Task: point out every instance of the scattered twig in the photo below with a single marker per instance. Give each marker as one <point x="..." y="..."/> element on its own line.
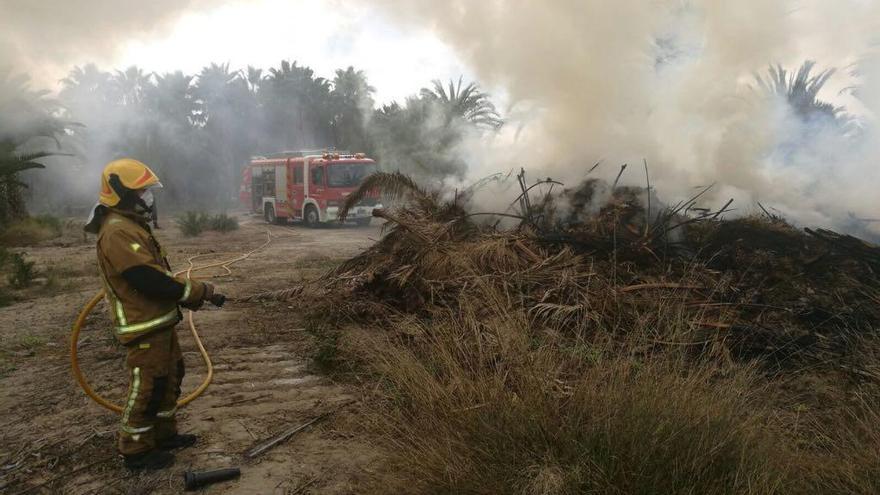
<point x="548" y="180"/>
<point x="282" y="437"/>
<point x="64" y="475"/>
<point x="723" y="209"/>
<point x="301" y="488"/>
<point x="712" y="324"/>
<point x="496" y="214"/>
<point x="253" y="437"/>
<point x="288" y="433"/>
<point x="242" y="401"/>
<point x="636" y="287"/>
<point x="622" y="168"/>
<point x="665" y="342"/>
<point x="471" y="408"/>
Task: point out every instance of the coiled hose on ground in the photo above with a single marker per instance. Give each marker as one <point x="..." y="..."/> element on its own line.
<point x="90" y="306"/>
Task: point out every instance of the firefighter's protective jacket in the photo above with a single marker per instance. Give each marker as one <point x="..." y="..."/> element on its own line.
<point x="125" y="243"/>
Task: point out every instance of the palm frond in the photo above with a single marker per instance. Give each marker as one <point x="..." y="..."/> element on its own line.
<point x="27" y="157"/>
<point x="9" y="168"/>
<point x="393" y="185"/>
<point x="800" y="89"/>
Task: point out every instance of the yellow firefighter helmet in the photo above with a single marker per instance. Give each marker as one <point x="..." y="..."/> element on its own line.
<point x="130" y="175"/>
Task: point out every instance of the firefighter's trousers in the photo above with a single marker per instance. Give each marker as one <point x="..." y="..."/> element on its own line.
<point x="155" y="366"/>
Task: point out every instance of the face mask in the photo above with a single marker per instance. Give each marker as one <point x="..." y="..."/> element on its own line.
<point x="147" y="197"/>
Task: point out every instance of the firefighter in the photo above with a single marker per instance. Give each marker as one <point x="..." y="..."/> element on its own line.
<point x="144" y="298"/>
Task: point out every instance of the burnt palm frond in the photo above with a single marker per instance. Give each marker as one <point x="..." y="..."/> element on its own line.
<point x="393" y="185"/>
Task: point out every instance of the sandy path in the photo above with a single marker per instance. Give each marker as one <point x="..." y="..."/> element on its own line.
<point x="263" y="381"/>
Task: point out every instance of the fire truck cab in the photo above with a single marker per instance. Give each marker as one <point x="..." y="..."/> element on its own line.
<point x="306" y="185"/>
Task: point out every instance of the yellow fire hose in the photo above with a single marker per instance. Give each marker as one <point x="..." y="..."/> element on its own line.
<point x="87" y="309"/>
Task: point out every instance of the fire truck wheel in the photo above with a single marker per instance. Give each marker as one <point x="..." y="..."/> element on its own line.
<point x="311" y="216"/>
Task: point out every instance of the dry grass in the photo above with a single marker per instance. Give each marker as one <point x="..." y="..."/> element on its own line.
<point x="483" y="405"/>
<point x="31" y="231"/>
<point x="485" y="400"/>
<point x="737" y="358"/>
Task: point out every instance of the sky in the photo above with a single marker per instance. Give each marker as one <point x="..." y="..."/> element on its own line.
<point x="187" y="35"/>
<point x="323" y="35"/>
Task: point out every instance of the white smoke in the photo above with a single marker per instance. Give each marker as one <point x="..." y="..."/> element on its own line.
<point x="673" y="81"/>
<point x="45" y="38"/>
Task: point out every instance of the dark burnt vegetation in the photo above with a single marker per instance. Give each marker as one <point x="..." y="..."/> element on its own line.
<point x="590" y="339"/>
<point x="595" y="258"/>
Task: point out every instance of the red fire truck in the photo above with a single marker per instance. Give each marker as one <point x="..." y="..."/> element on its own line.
<point x="306" y="185"/>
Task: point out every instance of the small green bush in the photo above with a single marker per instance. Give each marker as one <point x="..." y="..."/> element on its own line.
<point x="5" y="297"/>
<point x="5" y="255"/>
<point x="31" y="342"/>
<point x="55" y="224"/>
<point x="22" y="271"/>
<point x="326" y="356"/>
<point x="193" y="223"/>
<point x="223" y="223"/>
<point x="31" y="231"/>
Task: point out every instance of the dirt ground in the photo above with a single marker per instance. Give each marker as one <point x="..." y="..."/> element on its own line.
<point x="53" y="439"/>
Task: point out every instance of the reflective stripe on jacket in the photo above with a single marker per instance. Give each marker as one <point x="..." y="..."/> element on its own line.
<point x="125" y="241"/>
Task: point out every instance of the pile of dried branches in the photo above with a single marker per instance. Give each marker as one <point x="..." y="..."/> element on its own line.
<point x="597" y="260"/>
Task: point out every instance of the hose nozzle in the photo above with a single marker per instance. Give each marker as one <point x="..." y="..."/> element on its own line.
<point x="193" y="480"/>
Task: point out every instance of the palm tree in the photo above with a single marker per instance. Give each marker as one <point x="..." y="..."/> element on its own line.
<point x="351" y="87"/>
<point x="800" y="90"/>
<point x="468" y="103"/>
<point x="254" y="78"/>
<point x="28" y="123"/>
<point x="297" y="107"/>
<point x="812" y="121"/>
<point x="227" y="115"/>
<point x="351" y="98"/>
<point x="172" y="99"/>
<point x="84" y="81"/>
<point x="131" y="85"/>
<point x="214" y="86"/>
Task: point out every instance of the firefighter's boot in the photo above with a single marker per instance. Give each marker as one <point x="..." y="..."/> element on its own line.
<point x="178" y="441"/>
<point x="148" y="461"/>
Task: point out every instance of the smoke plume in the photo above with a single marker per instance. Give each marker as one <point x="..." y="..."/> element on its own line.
<point x="675" y="82"/>
<point x="45" y="38"/>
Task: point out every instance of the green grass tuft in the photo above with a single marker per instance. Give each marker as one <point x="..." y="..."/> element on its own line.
<point x="22" y="272"/>
<point x="31" y="231"/>
<point x="223" y="223"/>
<point x="193" y="223"/>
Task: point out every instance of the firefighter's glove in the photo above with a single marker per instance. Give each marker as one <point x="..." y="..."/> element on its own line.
<point x="206" y="296"/>
<point x="214" y="298"/>
<point x="218" y="300"/>
<point x="209" y="292"/>
<point x="195" y="306"/>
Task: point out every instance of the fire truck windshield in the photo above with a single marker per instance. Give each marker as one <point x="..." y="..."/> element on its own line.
<point x="348" y="174"/>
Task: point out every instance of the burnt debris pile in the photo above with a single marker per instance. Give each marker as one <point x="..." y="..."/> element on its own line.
<point x="596" y="261"/>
